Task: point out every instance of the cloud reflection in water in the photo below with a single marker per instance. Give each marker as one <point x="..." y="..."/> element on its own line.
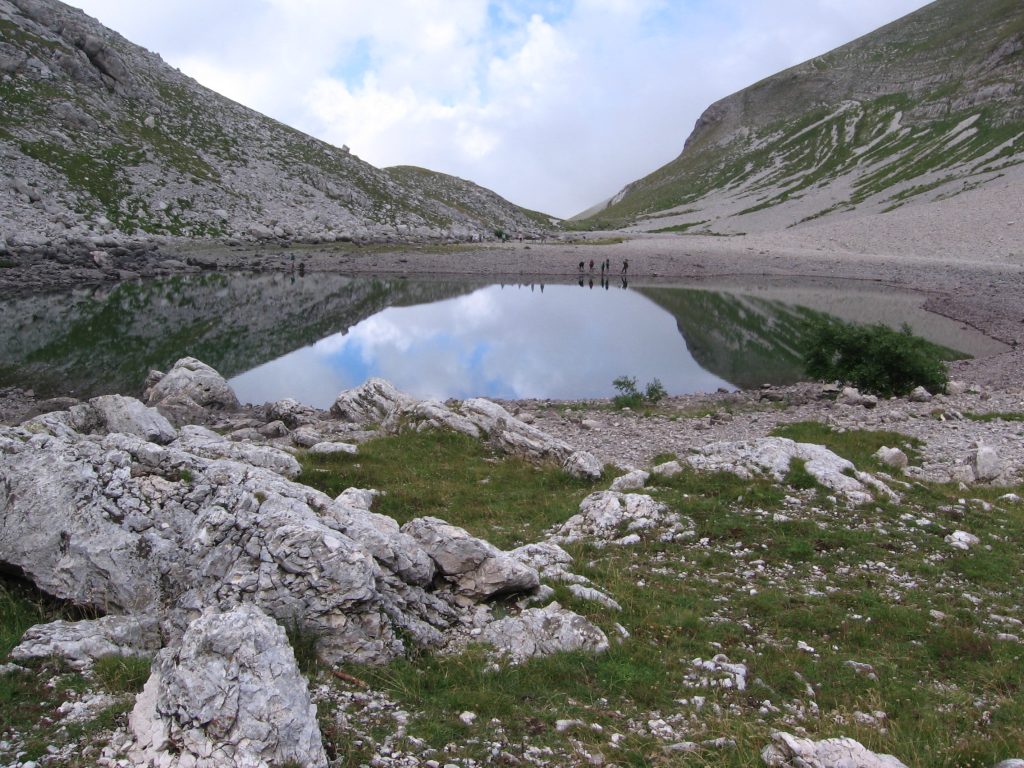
<point x="561" y="342"/>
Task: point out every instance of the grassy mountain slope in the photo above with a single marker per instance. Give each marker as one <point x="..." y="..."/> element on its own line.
<point x="99" y="135"/>
<point x="924" y="108"/>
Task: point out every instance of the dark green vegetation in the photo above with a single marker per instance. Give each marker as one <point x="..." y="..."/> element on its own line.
<point x="931" y="101"/>
<point x="853" y="584"/>
<point x="631" y="397"/>
<point x="874" y="358"/>
<point x="744" y="339"/>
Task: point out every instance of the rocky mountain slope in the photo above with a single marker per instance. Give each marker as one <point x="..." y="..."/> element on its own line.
<point x="923" y="109"/>
<point x="99" y="136"/>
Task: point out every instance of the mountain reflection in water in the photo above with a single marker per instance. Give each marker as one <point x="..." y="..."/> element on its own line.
<point x="500" y="341"/>
<point x="276" y="336"/>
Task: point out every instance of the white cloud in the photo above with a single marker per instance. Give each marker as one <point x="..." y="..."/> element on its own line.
<point x="553" y="103"/>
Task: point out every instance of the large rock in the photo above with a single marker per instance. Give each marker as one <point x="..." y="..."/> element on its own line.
<point x="773" y="456"/>
<point x="369" y="404"/>
<point x="544" y="631"/>
<point x="131" y="417"/>
<point x="229" y="695"/>
<point x="476" y="568"/>
<point x="583" y="465"/>
<point x="81" y="643"/>
<point x="204" y="442"/>
<point x="986" y="463"/>
<point x="608" y="516"/>
<point x="192" y="383"/>
<point x="788" y="751"/>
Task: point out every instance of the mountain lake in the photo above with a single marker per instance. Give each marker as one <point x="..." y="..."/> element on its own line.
<point x="276" y="336"/>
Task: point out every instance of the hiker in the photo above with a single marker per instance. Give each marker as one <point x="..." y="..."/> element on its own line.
<point x="581" y="267"/>
<point x="625" y="266"/>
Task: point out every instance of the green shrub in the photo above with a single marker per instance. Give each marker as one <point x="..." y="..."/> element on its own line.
<point x="631" y="397"/>
<point x="873" y="358"/>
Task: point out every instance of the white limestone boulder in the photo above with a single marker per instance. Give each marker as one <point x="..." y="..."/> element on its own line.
<point x="228" y="696"/>
<point x="788" y="751"/>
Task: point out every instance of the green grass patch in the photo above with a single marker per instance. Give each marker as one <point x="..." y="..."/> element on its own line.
<point x="998" y="416"/>
<point x="856" y="445"/>
<point x="447" y="475"/>
<point x="122" y="674"/>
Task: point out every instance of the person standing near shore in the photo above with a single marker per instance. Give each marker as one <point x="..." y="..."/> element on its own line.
<point x="625" y="266"/>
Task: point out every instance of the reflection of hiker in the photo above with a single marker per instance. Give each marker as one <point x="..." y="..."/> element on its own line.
<point x="625" y="266"/>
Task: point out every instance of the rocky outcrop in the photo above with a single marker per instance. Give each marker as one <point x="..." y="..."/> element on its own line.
<point x="544" y="631"/>
<point x="788" y="751"/>
<point x="378" y="402"/>
<point x="81" y="643"/>
<point x="230" y="694"/>
<point x="476" y="569"/>
<point x="773" y="456"/>
<point x="619" y="518"/>
<point x="116" y="523"/>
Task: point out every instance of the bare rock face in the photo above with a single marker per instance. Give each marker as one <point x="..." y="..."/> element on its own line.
<point x="206" y="443"/>
<point x="476" y="568"/>
<point x="544" y="631"/>
<point x="192" y="384"/>
<point x="229" y="695"/>
<point x="787" y="751"/>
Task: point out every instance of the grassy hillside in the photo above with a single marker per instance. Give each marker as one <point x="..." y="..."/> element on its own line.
<point x="928" y="106"/>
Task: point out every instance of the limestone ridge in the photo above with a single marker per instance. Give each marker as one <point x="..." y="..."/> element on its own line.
<point x="924" y="108"/>
<point x="101" y="137"/>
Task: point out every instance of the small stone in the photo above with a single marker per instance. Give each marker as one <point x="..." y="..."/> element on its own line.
<point x="892" y="457"/>
<point x="468" y="718"/>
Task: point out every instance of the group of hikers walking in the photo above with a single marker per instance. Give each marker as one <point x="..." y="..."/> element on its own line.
<point x="606" y="267"/>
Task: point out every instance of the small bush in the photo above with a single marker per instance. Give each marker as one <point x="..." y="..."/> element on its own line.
<point x="655" y="391"/>
<point x="873" y="358"/>
<point x="630" y="396"/>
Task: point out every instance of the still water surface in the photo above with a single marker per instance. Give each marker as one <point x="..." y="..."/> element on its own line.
<point x="276" y="336"/>
<point x="498" y="341"/>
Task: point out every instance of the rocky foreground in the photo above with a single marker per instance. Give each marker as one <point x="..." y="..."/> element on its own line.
<point x="194" y="546"/>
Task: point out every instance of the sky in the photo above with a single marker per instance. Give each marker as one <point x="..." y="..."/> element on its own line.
<point x="494" y="342"/>
<point x="554" y="104"/>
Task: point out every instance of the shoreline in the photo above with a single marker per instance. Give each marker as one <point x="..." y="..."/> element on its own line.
<point x="984" y="294"/>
